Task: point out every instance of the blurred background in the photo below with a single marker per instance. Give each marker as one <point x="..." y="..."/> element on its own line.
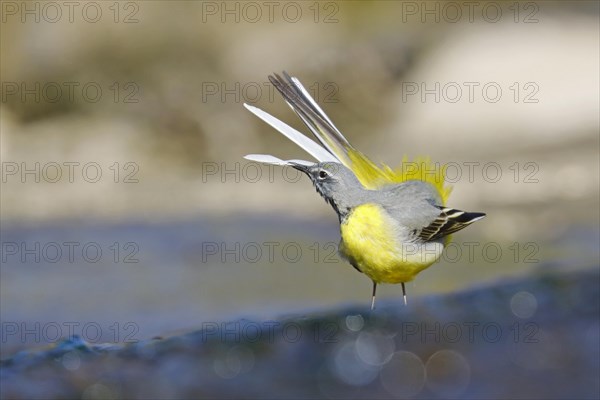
<point x="126" y="199"/>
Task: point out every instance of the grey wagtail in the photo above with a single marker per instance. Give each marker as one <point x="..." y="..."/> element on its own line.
<point x="393" y="222"/>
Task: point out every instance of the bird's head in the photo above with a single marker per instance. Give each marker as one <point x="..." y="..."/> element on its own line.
<point x="335" y="183"/>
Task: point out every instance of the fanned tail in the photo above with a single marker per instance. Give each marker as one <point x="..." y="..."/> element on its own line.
<point x="335" y="147"/>
<point x="299" y="100"/>
<point x="313" y="116"/>
<point x="309" y="145"/>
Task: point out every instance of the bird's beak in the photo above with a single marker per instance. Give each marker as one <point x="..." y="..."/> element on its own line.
<point x="300" y="167"/>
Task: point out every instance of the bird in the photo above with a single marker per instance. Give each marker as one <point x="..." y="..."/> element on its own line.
<point x="394" y="223"/>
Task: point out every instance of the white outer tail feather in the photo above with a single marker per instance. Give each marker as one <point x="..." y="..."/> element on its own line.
<point x="309" y="145"/>
<point x="315" y="105"/>
<point x="268" y="159"/>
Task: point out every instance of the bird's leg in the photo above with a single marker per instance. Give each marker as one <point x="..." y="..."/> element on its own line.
<point x="404" y="292"/>
<point x="373" y="300"/>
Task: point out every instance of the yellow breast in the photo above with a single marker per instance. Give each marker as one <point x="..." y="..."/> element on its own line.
<point x="371" y="242"/>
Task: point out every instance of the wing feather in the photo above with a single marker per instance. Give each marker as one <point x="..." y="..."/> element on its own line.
<point x="449" y="221"/>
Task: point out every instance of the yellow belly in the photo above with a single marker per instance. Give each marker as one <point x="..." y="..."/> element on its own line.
<point x="370" y="242"/>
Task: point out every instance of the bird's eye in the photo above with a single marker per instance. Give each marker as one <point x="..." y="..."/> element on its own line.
<point x="323" y="174"/>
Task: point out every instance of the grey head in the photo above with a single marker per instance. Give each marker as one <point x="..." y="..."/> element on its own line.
<point x="337" y="185"/>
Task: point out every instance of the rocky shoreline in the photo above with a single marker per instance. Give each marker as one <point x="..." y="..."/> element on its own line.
<point x="531" y="337"/>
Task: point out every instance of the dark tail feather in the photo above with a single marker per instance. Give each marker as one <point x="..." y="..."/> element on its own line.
<point x="449" y="221"/>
